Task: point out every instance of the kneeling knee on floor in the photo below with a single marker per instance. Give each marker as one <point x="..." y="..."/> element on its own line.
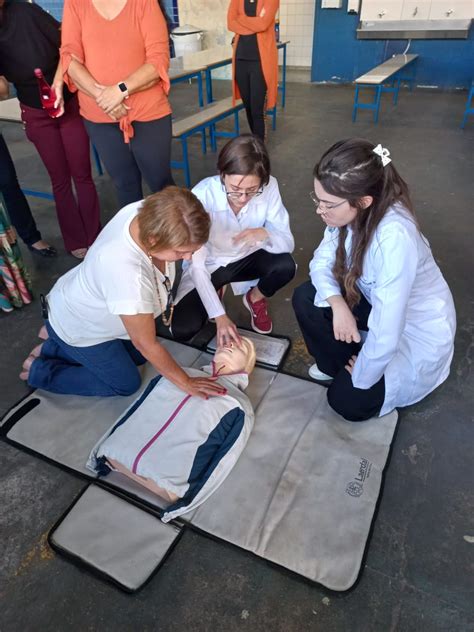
<point x="345" y="407"/>
<point x="129" y="387"/>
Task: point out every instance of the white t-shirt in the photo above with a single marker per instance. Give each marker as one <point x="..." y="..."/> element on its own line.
<point x="116" y="278"/>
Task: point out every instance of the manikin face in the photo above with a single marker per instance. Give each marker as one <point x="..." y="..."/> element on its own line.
<point x="333" y="210"/>
<point x="234" y="359"/>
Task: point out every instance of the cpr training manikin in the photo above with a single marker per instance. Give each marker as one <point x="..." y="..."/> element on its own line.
<point x="178" y="446"/>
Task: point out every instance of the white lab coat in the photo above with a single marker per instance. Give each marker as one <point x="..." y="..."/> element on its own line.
<point x="266" y="210"/>
<point x="412" y="322"/>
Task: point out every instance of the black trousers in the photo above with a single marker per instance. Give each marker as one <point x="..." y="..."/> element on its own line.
<point x="273" y="271"/>
<point x="147" y="155"/>
<point x="253" y="90"/>
<point x="17" y="206"/>
<point x="331" y="355"/>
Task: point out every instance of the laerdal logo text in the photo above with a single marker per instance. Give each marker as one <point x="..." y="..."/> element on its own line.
<point x="355" y="488"/>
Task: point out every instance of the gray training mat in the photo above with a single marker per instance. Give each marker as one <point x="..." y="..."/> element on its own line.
<point x="114" y="537"/>
<point x="63" y="428"/>
<point x="303" y="493"/>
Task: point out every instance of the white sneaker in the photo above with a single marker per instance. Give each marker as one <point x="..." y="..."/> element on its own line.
<point x="316" y="374"/>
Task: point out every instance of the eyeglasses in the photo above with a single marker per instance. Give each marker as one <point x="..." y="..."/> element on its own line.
<point x="236" y="195"/>
<point x="324" y="206"/>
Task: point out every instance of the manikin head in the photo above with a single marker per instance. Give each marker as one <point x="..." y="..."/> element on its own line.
<point x="234" y="359"/>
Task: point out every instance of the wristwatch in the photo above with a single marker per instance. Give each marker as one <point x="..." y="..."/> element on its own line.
<point x="123" y="88"/>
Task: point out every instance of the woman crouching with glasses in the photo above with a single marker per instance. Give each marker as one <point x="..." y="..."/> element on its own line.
<point x="100" y="316"/>
<point x="372" y="274"/>
<point x="249" y="244"/>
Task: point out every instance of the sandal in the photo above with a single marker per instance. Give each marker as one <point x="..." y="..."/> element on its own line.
<point x="49" y="251"/>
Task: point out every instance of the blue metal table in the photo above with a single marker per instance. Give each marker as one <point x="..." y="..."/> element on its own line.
<point x="219" y="56"/>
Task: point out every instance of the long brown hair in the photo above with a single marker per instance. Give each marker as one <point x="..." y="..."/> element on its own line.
<point x="350" y="169"/>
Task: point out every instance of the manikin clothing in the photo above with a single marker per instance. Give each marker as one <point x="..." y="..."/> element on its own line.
<point x="116" y="278"/>
<point x="266" y="210"/>
<point x="412" y="322"/>
<point x="185" y="445"/>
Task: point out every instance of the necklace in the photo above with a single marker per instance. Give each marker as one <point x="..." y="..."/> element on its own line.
<point x="169" y="304"/>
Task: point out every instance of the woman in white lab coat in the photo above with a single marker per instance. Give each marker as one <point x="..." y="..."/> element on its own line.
<point x="373" y="274"/>
<point x="249" y="244"/>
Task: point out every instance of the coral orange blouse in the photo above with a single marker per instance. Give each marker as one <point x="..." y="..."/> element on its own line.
<point x="111" y="50"/>
<point x="264" y="27"/>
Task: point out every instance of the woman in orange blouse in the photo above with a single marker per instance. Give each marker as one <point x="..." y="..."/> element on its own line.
<point x="255" y="62"/>
<point x="116" y="54"/>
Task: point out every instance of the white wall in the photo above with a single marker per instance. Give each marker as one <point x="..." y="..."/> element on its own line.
<point x="210" y="15"/>
<point x="296" y="24"/>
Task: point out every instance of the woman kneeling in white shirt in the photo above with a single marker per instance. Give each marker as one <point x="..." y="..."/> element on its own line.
<point x="249" y="244"/>
<point x="100" y="316"/>
<point x="373" y="271"/>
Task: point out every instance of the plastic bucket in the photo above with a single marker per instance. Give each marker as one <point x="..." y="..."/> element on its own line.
<point x="186" y="39"/>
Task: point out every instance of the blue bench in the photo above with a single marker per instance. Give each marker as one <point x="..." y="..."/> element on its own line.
<point x="386" y="77"/>
<point x="201" y="122"/>
<point x="469" y="109"/>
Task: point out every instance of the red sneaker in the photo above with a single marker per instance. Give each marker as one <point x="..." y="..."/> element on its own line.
<point x="261" y="321"/>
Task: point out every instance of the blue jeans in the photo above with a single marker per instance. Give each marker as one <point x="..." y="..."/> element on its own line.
<point x="103" y="370"/>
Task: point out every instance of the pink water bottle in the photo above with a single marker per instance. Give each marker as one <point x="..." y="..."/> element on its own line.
<point x="47" y="94"/>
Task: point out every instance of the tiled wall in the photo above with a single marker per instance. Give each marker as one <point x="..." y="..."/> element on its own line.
<point x="297" y="25"/>
<point x="296" y="22"/>
<point x="171" y="8"/>
<point x="55" y="7"/>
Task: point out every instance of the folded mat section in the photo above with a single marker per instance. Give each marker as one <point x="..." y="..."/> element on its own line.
<point x="114" y="538"/>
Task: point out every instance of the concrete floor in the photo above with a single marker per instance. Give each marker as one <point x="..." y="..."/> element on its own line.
<point x="418" y="572"/>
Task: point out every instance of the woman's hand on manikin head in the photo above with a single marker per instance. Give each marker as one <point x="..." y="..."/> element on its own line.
<point x="227" y="333"/>
<point x="232" y="359"/>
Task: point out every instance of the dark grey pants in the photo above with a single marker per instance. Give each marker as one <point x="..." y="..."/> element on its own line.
<point x="16" y="203"/>
<point x="274" y="271"/>
<point x="147" y="156"/>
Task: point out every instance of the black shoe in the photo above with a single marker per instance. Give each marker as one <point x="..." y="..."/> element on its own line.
<point x="50" y="251"/>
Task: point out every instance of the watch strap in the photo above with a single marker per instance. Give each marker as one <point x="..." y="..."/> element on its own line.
<point x="123" y="88"/>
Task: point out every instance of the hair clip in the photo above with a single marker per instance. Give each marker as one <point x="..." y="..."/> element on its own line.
<point x="383" y="153"/>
